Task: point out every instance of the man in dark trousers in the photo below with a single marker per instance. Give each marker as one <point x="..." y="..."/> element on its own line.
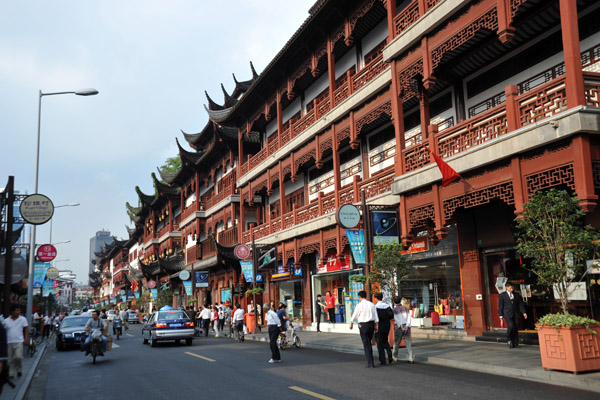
<point x="319" y="307"/>
<point x="509" y="306"/>
<point x="365" y="315"/>
<point x="385" y="314"/>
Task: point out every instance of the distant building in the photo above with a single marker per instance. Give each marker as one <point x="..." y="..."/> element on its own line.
<point x="96" y="243"/>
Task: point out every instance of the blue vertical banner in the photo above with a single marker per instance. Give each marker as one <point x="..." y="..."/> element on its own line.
<point x="47" y="288"/>
<point x="154" y="293"/>
<point x="124" y="299"/>
<point x="187" y="285"/>
<point x="247" y="270"/>
<point x="136" y="294"/>
<point x="356" y="239"/>
<point x="39" y="273"/>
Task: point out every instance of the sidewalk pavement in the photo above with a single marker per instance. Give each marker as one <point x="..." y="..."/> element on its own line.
<point x="493" y="358"/>
<point x="30" y="365"/>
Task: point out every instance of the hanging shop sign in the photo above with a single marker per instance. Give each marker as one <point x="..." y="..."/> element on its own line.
<point x="259" y="278"/>
<point x="187" y="285"/>
<point x="418" y="245"/>
<point x="267" y="258"/>
<point x="52" y="274"/>
<point x="151" y="284"/>
<point x="348" y="216"/>
<point x="36" y="209"/>
<point x="46" y="253"/>
<point x="184" y="275"/>
<point x="356" y="240"/>
<point x="201" y="279"/>
<point x="241" y="251"/>
<point x="154" y="293"/>
<point x="385" y="227"/>
<point x="283" y="271"/>
<point x="297" y="271"/>
<point x="247" y="270"/>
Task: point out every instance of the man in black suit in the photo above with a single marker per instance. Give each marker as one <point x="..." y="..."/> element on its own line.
<point x="509" y="306"/>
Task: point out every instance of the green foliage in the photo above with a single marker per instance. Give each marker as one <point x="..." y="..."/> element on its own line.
<point x="552" y="234"/>
<point x="558" y="320"/>
<point x="165" y="298"/>
<point x="256" y="291"/>
<point x="358" y="278"/>
<point x="171" y="165"/>
<point x="389" y="266"/>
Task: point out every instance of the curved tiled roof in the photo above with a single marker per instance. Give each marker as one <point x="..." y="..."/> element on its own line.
<point x="145" y="198"/>
<point x="161" y="187"/>
<point x="189" y="156"/>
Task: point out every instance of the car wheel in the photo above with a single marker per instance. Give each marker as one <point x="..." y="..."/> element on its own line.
<point x="59" y="346"/>
<point x="177" y="341"/>
<point x="188" y="342"/>
<point x="145" y="340"/>
<point x="152" y="342"/>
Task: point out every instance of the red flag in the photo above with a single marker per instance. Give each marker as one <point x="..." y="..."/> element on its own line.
<point x="448" y="174"/>
<point x="134" y="286"/>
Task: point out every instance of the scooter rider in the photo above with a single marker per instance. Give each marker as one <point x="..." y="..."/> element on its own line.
<point x="125" y="318"/>
<point x="95" y="323"/>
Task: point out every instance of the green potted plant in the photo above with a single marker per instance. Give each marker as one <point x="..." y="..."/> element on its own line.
<point x="552" y="234"/>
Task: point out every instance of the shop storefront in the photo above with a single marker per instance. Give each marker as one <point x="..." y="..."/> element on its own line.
<point x="434" y="283"/>
<point x="334" y="276"/>
<point x="288" y="279"/>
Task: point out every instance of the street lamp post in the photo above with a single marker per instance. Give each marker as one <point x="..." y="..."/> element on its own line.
<point x="51" y="219"/>
<point x="84" y="92"/>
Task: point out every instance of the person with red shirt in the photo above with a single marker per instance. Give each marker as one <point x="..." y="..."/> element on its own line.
<point x="330" y="301"/>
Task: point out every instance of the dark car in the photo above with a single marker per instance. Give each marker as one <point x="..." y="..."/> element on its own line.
<point x="168" y="325"/>
<point x="71" y="332"/>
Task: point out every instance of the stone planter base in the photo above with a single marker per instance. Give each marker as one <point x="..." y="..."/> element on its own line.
<point x="572" y="349"/>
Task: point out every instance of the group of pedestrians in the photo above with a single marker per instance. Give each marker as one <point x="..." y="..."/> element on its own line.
<point x="216" y="317"/>
<point x="375" y="321"/>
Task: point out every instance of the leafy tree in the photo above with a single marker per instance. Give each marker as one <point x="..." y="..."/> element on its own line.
<point x="551" y="232"/>
<point x="171" y="165"/>
<point x="389" y="267"/>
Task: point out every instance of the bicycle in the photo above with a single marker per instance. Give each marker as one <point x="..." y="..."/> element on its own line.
<point x="35" y="338"/>
<point x="283" y="341"/>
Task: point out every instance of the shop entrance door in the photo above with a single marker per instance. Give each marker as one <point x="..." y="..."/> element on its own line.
<point x="497" y="267"/>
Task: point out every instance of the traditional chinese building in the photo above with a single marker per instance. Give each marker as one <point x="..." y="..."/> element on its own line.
<point x="505" y="91"/>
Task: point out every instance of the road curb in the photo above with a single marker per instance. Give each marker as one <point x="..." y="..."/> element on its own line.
<point x="549" y="377"/>
<point x="29" y="377"/>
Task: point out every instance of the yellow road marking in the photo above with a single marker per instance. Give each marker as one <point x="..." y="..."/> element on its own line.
<point x="127" y="334"/>
<point x="199" y="356"/>
<point x="313" y="394"/>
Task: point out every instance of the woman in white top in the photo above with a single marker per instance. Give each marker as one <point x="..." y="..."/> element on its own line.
<point x="402" y="318"/>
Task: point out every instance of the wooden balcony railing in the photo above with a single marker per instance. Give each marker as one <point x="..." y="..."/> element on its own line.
<point x="369" y="72"/>
<point x="411" y="13"/>
<point x="228" y="237"/>
<point x="592" y="88"/>
<point x="195" y="206"/>
<point x="324" y="204"/>
<point x="208" y="248"/>
<point x="320" y="106"/>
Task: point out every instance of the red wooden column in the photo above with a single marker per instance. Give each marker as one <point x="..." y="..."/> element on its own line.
<point x="424" y="113"/>
<point x="281" y="192"/>
<point x="331" y="72"/>
<point x="584" y="178"/>
<point x="279" y="119"/>
<point x="505" y="31"/>
<point x="240" y="153"/>
<point x="242" y="227"/>
<point x="397" y="120"/>
<point x="391" y="14"/>
<point x="197" y="184"/>
<point x="337" y="176"/>
<point x="518" y="189"/>
<point x="572" y="53"/>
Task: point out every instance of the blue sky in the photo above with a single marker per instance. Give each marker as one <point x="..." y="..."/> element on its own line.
<point x="151" y="62"/>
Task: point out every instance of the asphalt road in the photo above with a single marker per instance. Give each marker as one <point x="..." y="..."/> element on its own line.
<point x="222" y="368"/>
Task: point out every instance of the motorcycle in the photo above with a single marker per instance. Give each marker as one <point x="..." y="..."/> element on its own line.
<point x="95" y="344"/>
<point x="117" y="327"/>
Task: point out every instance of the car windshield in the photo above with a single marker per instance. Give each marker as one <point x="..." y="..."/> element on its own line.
<point x="170" y="315"/>
<point x="72" y="322"/>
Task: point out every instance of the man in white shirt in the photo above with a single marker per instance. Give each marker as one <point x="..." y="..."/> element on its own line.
<point x="274" y="324"/>
<point x="205" y="315"/>
<point x="365" y="315"/>
<point x="237" y="320"/>
<point x="16" y="337"/>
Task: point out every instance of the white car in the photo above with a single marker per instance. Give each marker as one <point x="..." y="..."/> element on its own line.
<point x="111" y="314"/>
